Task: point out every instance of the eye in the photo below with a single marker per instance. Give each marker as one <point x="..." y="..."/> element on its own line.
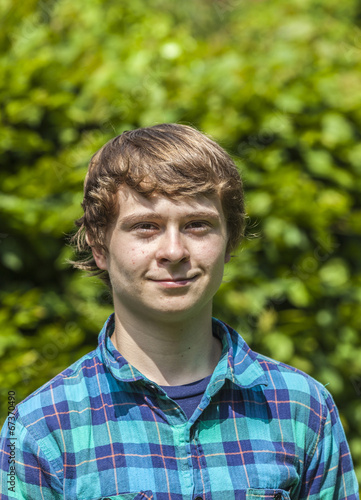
<point x="199" y="226"/>
<point x="145" y="226"/>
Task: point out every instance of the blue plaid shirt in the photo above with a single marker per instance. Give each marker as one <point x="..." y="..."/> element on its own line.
<point x="100" y="429"/>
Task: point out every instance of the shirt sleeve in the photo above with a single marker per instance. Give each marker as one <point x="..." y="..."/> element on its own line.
<point x="329" y="473"/>
<point x="26" y="473"/>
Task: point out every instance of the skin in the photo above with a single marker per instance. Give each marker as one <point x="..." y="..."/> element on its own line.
<point x="165" y="260"/>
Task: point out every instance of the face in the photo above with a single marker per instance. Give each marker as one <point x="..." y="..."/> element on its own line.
<point x="165" y="257"/>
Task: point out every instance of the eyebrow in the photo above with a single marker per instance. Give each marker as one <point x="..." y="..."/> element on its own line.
<point x="145" y="216"/>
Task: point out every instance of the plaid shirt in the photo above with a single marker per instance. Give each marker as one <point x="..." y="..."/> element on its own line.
<point x="102" y="430"/>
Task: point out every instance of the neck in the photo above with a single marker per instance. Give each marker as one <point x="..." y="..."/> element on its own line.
<point x="168" y="352"/>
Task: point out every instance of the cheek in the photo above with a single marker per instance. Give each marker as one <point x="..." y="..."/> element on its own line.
<point x="137" y="257"/>
<point x="212" y="253"/>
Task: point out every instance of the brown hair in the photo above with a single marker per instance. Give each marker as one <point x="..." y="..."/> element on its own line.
<point x="168" y="159"/>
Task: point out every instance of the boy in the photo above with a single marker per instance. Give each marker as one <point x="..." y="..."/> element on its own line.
<point x="172" y="404"/>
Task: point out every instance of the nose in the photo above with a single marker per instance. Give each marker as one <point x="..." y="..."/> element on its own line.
<point x="172" y="247"/>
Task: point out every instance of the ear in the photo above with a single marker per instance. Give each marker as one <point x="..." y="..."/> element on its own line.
<point x="227" y="257"/>
<point x="98" y="254"/>
<point x="100" y="258"/>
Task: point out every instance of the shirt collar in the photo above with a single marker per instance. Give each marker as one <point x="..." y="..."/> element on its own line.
<point x="116" y="363"/>
<point x="238" y="362"/>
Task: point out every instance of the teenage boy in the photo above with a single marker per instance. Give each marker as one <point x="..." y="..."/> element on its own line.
<point x="172" y="404"/>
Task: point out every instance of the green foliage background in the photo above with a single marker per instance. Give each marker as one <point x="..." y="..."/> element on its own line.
<point x="278" y="84"/>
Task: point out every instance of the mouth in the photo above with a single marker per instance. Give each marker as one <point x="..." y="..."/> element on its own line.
<point x="175" y="282"/>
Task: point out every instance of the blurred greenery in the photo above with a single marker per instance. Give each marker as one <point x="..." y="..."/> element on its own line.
<point x="278" y="84"/>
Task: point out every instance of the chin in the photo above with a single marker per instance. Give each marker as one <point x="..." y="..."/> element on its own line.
<point x="175" y="314"/>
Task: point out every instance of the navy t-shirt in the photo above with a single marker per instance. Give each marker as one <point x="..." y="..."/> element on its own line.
<point x="187" y="396"/>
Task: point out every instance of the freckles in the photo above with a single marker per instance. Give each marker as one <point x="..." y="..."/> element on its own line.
<point x="138" y="256"/>
<point x="132" y="260"/>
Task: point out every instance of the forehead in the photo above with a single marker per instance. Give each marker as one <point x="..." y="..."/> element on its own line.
<point x="132" y="202"/>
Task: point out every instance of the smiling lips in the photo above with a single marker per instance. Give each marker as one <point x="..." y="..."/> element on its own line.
<point x="175" y="282"/>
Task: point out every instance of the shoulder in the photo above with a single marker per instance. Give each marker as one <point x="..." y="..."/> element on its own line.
<point x="283" y="377"/>
<point x="303" y="405"/>
<point x="279" y="377"/>
<point x="41" y="422"/>
<point x="72" y="384"/>
<point x="290" y="392"/>
<point x="294" y="396"/>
